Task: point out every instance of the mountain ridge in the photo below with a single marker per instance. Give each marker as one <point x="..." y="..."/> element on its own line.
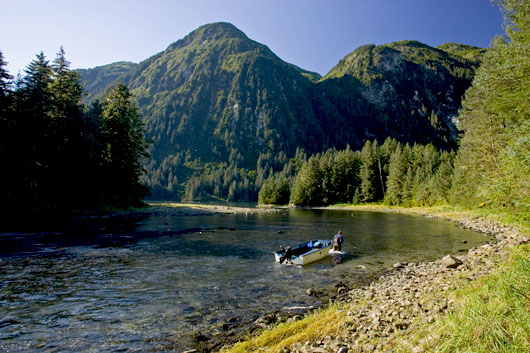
<point x="216" y="97"/>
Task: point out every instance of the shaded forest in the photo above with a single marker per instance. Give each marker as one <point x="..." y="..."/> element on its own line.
<point x="57" y="153"/>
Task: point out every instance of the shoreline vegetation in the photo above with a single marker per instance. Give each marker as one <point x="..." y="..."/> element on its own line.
<point x="467" y="302"/>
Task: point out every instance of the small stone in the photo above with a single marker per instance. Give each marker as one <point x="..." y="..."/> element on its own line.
<point x="451" y="261"/>
<point x="199" y="337"/>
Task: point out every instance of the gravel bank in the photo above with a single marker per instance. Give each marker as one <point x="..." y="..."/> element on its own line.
<point x="410" y="293"/>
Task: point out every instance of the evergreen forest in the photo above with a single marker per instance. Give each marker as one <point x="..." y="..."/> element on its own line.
<point x="491" y="167"/>
<point x="59" y="154"/>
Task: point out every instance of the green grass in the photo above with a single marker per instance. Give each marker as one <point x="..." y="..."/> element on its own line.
<point x="492" y="315"/>
<point x="311" y="328"/>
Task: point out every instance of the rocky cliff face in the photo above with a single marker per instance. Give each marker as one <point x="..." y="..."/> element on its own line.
<point x="415" y="89"/>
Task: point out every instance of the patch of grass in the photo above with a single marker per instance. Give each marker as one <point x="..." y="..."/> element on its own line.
<point x="492" y="315"/>
<point x="313" y="327"/>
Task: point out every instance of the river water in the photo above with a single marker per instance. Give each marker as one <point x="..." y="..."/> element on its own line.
<point x="150" y="284"/>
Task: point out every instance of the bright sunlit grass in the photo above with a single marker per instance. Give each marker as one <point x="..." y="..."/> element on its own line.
<point x="311" y="328"/>
<point x="492" y="315"/>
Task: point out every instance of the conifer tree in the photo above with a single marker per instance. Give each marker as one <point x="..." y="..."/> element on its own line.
<point x="125" y="146"/>
<point x="396" y="176"/>
<point x="492" y="160"/>
<point x="307" y="187"/>
<point x="34" y="102"/>
<point x="367" y="172"/>
<point x="7" y="134"/>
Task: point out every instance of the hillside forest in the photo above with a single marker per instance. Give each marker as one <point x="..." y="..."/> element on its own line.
<point x="338" y="141"/>
<point x="491" y="167"/>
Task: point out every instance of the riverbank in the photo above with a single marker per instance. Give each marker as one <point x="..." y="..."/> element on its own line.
<point x="400" y="311"/>
<point x="192" y="209"/>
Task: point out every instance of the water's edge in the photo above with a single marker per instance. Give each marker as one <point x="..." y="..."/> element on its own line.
<point x="228" y="329"/>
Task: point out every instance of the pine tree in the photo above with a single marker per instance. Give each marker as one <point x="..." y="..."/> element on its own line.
<point x="396" y="176"/>
<point x="6" y="120"/>
<point x="440" y="183"/>
<point x="7" y="136"/>
<point x="307" y="187"/>
<point x="367" y="173"/>
<point x="34" y="102"/>
<point x="125" y="146"/>
<point x="66" y="87"/>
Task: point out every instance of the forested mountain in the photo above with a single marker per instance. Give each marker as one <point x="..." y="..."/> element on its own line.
<point x="224" y="112"/>
<point x="415" y="90"/>
<point x="97" y="80"/>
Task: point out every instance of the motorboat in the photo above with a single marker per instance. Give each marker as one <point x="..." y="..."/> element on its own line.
<point x="304" y="253"/>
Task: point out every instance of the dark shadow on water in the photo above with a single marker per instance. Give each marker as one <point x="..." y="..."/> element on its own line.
<point x="100" y="234"/>
<point x="116" y="236"/>
<point x="202" y="247"/>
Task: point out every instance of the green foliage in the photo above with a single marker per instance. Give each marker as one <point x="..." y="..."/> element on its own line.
<point x="97" y="80"/>
<point x="492" y="162"/>
<point x="124" y="146"/>
<point x="367" y="172"/>
<point x="60" y="154"/>
<point x="216" y="97"/>
<point x="275" y="190"/>
<point x="307" y="187"/>
<point x="467" y="51"/>
<point x="327" y="178"/>
<point x="398" y="175"/>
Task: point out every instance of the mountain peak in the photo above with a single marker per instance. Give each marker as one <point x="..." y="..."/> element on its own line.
<point x="224" y="28"/>
<point x="211" y="32"/>
<point x="215" y="31"/>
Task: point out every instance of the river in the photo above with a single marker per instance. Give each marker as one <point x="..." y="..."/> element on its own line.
<point x="150" y="284"/>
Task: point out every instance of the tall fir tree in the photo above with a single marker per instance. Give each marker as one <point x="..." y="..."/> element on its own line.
<point x="34" y="130"/>
<point x="396" y="176"/>
<point x="367" y="172"/>
<point x="125" y="146"/>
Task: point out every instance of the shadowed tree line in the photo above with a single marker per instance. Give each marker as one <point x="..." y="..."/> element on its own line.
<point x="58" y="154"/>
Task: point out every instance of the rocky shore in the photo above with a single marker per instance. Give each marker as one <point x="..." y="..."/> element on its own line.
<point x="412" y="293"/>
<point x="406" y="295"/>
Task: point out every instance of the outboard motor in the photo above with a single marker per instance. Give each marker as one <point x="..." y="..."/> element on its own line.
<point x="288" y="254"/>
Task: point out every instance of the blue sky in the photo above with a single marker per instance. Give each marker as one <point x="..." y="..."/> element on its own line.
<point x="313" y="34"/>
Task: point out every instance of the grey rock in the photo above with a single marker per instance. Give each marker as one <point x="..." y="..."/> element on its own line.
<point x="451" y="261"/>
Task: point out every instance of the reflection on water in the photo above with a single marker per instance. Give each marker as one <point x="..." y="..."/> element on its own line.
<point x="149" y="285"/>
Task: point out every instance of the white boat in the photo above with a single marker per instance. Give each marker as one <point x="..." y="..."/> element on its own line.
<point x="305" y="253"/>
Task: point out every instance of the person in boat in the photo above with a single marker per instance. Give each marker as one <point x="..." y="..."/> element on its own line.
<point x="288" y="254"/>
<point x="338" y="239"/>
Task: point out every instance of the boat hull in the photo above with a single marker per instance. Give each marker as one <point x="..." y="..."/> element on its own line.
<point x="303" y="254"/>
